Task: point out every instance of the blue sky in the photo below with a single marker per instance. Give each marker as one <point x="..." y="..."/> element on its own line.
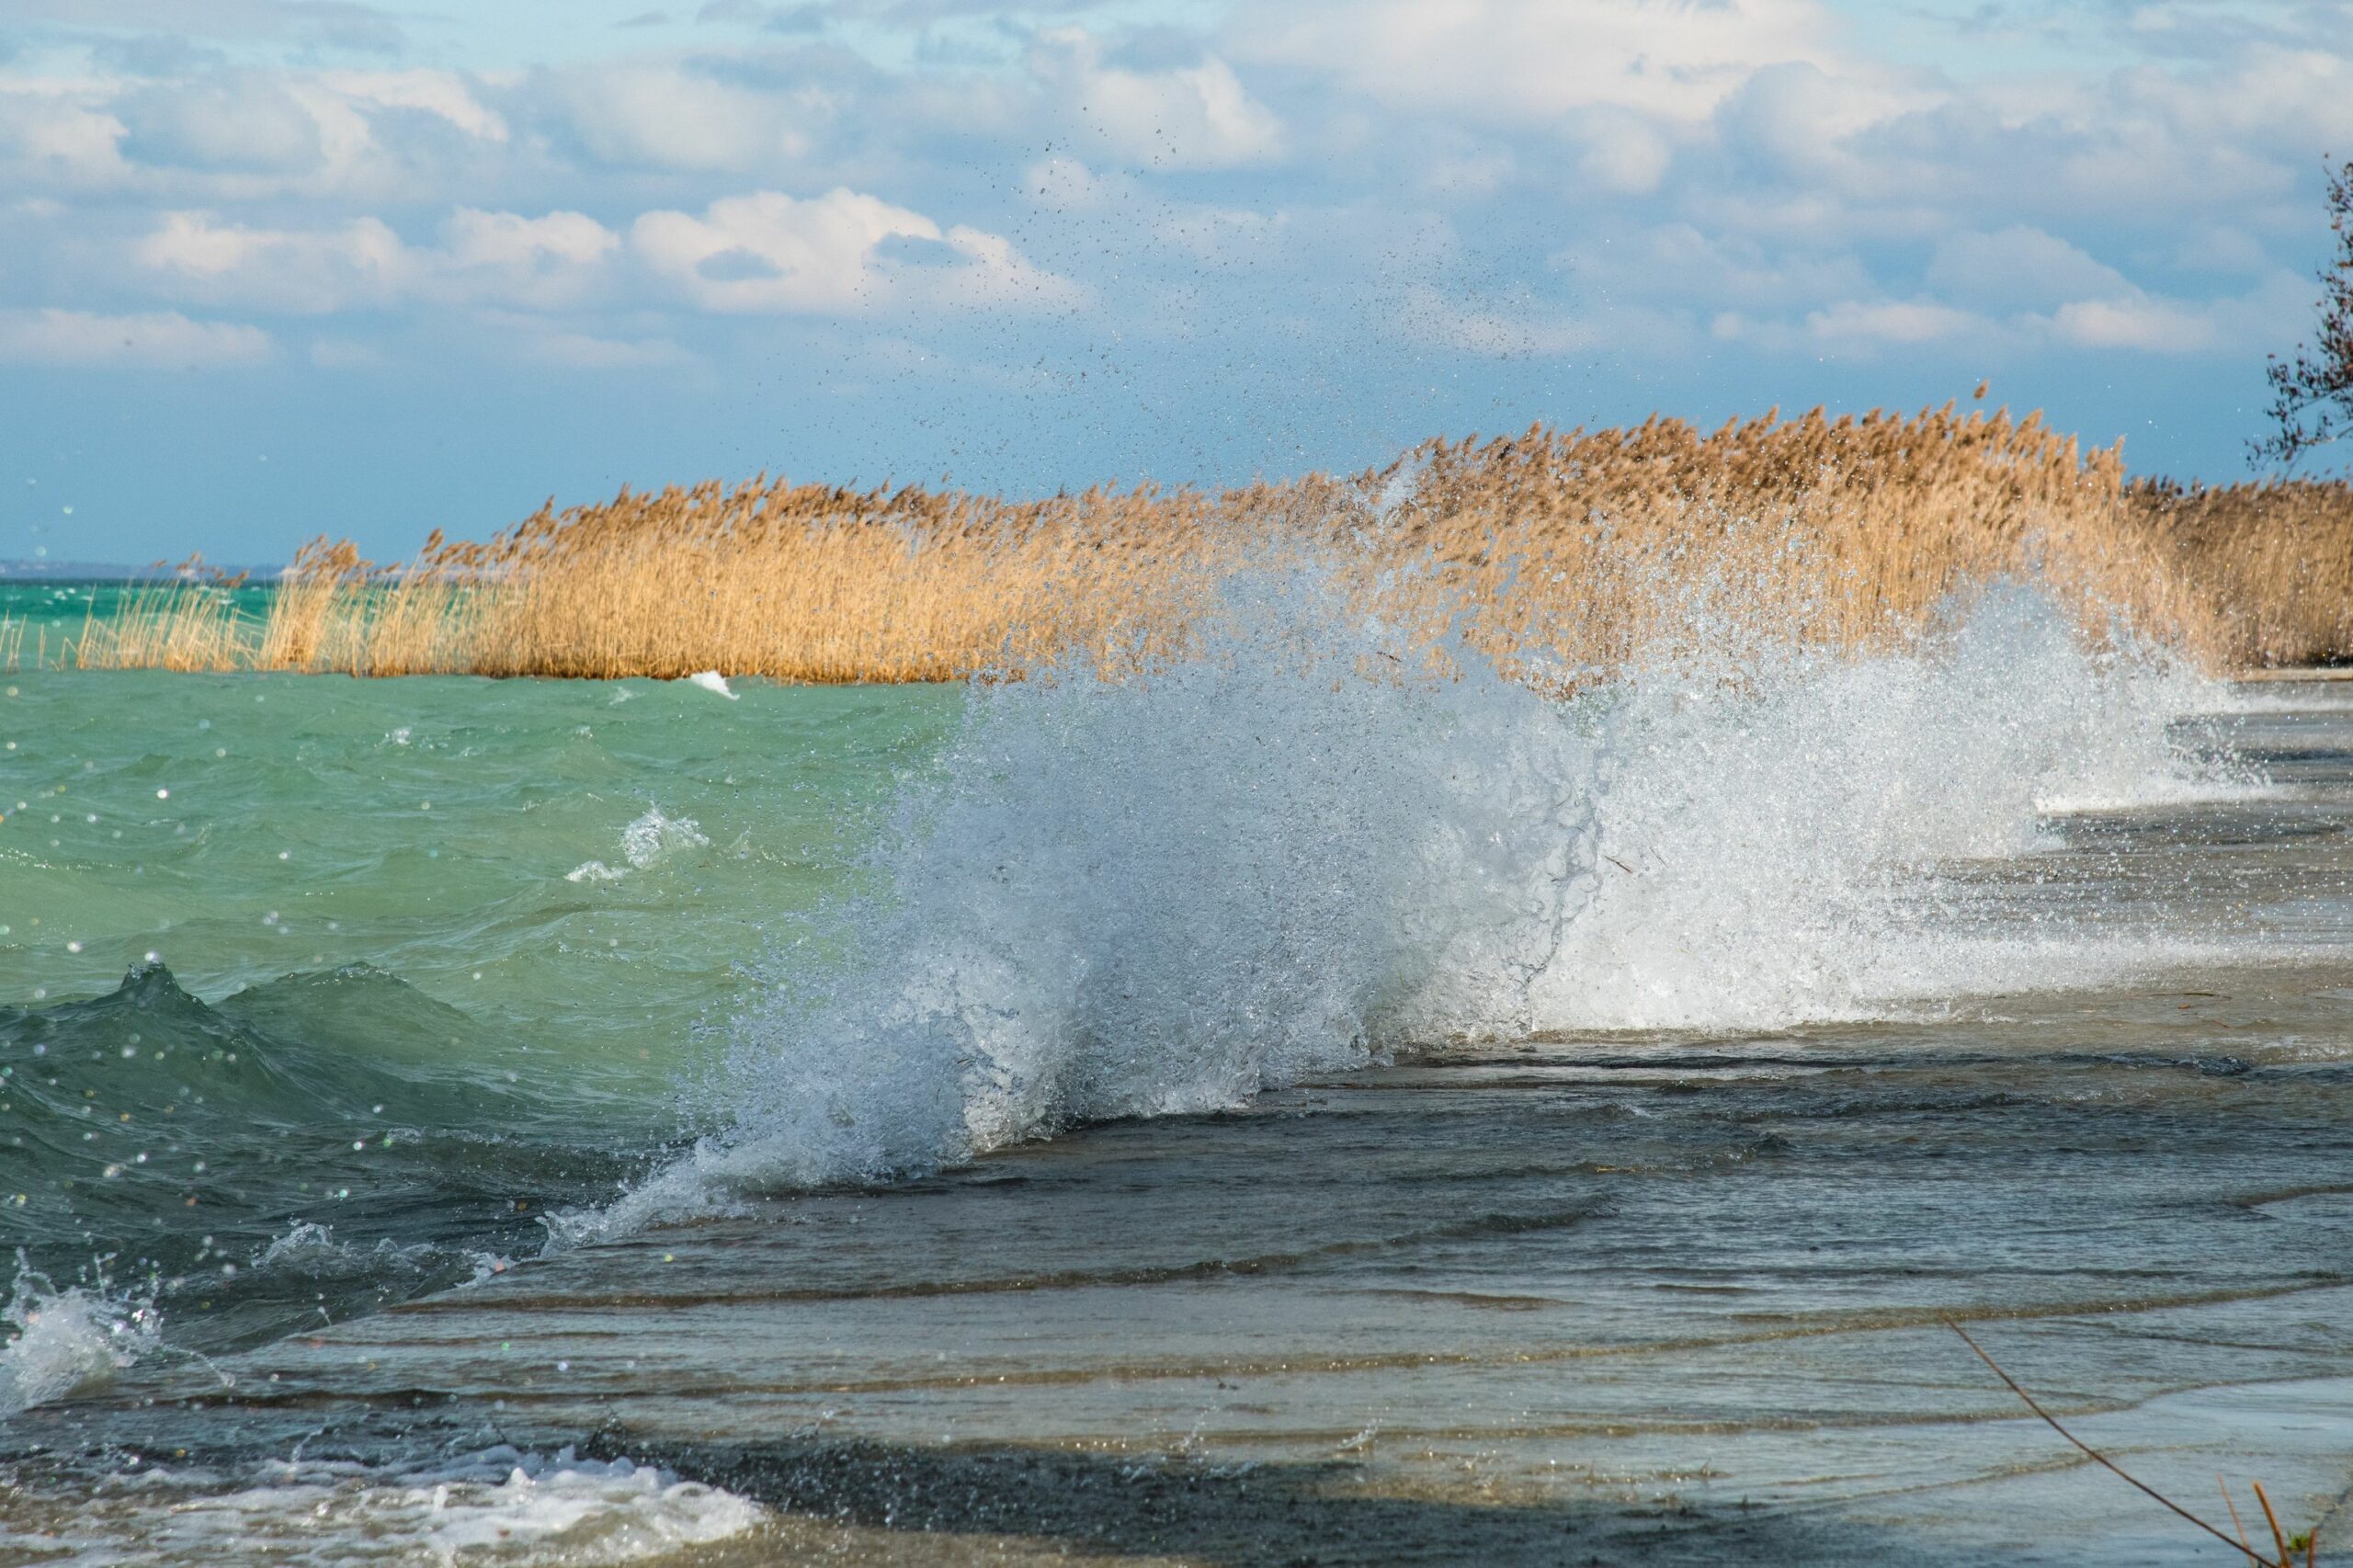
<point x="273" y="267"/>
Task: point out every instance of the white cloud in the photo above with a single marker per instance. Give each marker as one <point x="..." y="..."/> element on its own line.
<point x="1535" y="61"/>
<point x="664" y="118"/>
<point x="986" y="270"/>
<point x="544" y="262"/>
<point x="2129" y="321"/>
<point x="54" y="134"/>
<point x="167" y="340"/>
<point x="2215" y="247"/>
<point x="509" y="240"/>
<point x="1623" y="154"/>
<point x="246" y="123"/>
<point x="1829" y="126"/>
<point x="1902" y="322"/>
<point x="239" y="135"/>
<point x="1862" y="328"/>
<point x="1681" y="263"/>
<point x="1195" y="117"/>
<point x="1629" y="86"/>
<point x="2298" y="97"/>
<point x="444" y="94"/>
<point x="360" y="264"/>
<point x="555" y="260"/>
<point x="1207" y="234"/>
<point x="341" y="24"/>
<point x="1460" y="166"/>
<point x="2138" y="321"/>
<point x="2018" y="267"/>
<point x="767" y="251"/>
<point x="1747" y="163"/>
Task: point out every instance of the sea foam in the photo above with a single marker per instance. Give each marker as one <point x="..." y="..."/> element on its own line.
<point x="1307" y="844"/>
<point x="500" y="1506"/>
<point x="61" y="1341"/>
<point x="647" y="841"/>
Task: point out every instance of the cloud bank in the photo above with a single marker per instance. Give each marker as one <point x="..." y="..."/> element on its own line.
<point x="1184" y="216"/>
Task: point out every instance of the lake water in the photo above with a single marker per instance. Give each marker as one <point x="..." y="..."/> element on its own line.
<point x="1286" y="1109"/>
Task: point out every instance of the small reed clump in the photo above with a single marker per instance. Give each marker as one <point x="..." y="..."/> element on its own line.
<point x="1563" y="554"/>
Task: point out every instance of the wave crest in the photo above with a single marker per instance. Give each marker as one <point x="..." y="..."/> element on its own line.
<point x="1307" y="844"/>
<point x="62" y="1340"/>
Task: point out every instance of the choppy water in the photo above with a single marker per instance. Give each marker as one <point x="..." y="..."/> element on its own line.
<point x="43" y="618"/>
<point x="319" y="992"/>
<point x="1287" y="1102"/>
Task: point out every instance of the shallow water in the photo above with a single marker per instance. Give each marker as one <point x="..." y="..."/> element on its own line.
<point x="1257" y="1114"/>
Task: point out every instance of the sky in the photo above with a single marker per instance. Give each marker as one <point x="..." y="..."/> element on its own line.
<point x="271" y="269"/>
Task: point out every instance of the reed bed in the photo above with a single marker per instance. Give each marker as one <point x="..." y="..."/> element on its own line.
<point x="2273" y="562"/>
<point x="1561" y="553"/>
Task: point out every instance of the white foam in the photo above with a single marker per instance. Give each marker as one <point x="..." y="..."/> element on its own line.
<point x="647" y="841"/>
<point x="306" y="1241"/>
<point x="653" y="837"/>
<point x="498" y="1506"/>
<point x="310" y="1248"/>
<point x="63" y="1341"/>
<point x="2142" y="795"/>
<point x="1291" y="852"/>
<point x="1776" y="846"/>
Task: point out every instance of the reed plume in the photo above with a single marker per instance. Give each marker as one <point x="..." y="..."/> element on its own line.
<point x="1561" y="553"/>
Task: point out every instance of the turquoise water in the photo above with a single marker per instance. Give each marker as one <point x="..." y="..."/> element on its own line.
<point x="41" y="617"/>
<point x="410" y="961"/>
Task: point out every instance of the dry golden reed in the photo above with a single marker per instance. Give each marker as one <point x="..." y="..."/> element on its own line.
<point x="2273" y="562"/>
<point x="1564" y="554"/>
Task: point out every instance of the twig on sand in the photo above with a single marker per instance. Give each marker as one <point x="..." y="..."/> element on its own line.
<point x="2311" y="1543"/>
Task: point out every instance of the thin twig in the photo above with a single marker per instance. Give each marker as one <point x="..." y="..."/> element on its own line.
<point x="2094" y="1454"/>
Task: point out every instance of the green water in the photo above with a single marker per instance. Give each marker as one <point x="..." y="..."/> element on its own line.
<point x="416" y="958"/>
<point x="41" y="619"/>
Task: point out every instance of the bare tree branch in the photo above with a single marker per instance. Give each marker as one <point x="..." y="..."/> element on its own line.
<point x="2311" y="393"/>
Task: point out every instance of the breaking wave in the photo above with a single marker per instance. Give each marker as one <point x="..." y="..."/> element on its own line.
<point x="210" y="1174"/>
<point x="1306" y="845"/>
<point x="646" y="842"/>
<point x="62" y="1341"/>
